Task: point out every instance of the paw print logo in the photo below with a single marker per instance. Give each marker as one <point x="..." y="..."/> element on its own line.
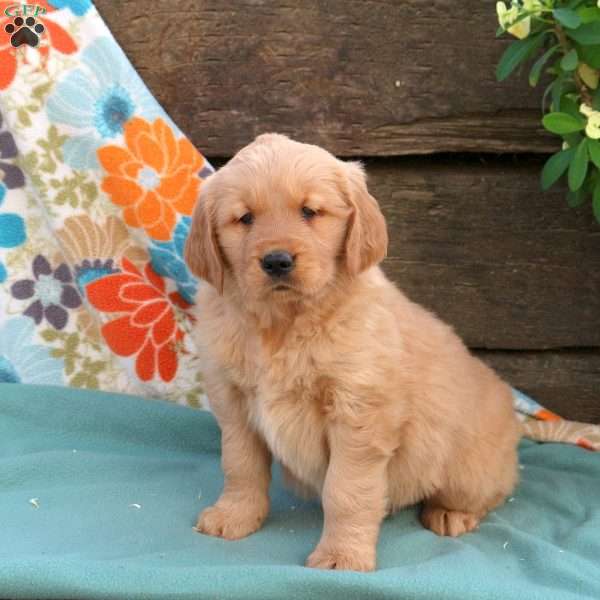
<point x="24" y="31"/>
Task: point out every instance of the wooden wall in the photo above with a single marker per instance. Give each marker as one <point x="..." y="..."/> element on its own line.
<point x="453" y="156"/>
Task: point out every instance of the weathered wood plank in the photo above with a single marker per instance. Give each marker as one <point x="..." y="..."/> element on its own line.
<point x="565" y="382"/>
<point x="478" y="242"/>
<point x="481" y="245"/>
<point x="362" y="77"/>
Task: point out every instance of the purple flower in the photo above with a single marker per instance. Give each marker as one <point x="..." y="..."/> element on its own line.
<point x="51" y="292"/>
<point x="10" y="174"/>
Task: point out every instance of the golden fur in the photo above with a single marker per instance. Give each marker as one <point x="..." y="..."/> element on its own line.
<point x="363" y="396"/>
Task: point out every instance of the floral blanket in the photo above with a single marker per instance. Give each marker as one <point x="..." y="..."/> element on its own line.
<point x="97" y="186"/>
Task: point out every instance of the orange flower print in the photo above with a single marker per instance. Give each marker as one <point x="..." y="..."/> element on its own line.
<point x="149" y="328"/>
<point x="54" y="37"/>
<point x="153" y="178"/>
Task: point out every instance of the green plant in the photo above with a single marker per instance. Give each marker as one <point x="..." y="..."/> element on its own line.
<point x="564" y="38"/>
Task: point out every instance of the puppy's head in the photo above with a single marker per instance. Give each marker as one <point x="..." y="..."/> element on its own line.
<point x="283" y="219"/>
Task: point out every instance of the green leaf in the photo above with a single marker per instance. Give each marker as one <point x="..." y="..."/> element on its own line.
<point x="30" y="160"/>
<point x="570" y="107"/>
<point x="55" y="141"/>
<point x="92" y="382"/>
<point x="586" y="35"/>
<point x="590" y="55"/>
<point x="573" y="139"/>
<point x="49" y="166"/>
<point x="49" y="335"/>
<point x="596" y="202"/>
<point x="23" y="117"/>
<point x="569" y="18"/>
<point x="589" y="14"/>
<point x="558" y="122"/>
<point x="516" y="53"/>
<point x="596" y="99"/>
<point x="594" y="151"/>
<point x="591" y="179"/>
<point x="557" y="91"/>
<point x="96" y="367"/>
<point x="579" y="166"/>
<point x="79" y="380"/>
<point x="555" y="166"/>
<point x="53" y="135"/>
<point x="71" y="343"/>
<point x="575" y="199"/>
<point x="536" y="70"/>
<point x="40" y="90"/>
<point x="547" y="91"/>
<point x="569" y="60"/>
<point x="191" y="399"/>
<point x="69" y="365"/>
<point x="90" y="190"/>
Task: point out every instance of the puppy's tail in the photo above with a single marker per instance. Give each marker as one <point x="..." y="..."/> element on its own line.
<point x="585" y="435"/>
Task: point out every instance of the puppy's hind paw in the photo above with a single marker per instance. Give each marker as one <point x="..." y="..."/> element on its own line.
<point x="448" y="522"/>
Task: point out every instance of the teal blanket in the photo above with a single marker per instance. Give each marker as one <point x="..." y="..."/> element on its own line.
<point x="99" y="493"/>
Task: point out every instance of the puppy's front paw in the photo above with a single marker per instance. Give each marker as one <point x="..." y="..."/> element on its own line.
<point x="341" y="559"/>
<point x="231" y="522"/>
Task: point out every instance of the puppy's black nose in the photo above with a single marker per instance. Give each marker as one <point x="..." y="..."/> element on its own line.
<point x="277" y="263"/>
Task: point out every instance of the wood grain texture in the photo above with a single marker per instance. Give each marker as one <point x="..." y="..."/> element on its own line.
<point x="565" y="382"/>
<point x="360" y="77"/>
<point x="476" y="241"/>
<point x="480" y="245"/>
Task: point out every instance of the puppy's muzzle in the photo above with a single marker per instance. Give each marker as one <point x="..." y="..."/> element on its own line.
<point x="277" y="264"/>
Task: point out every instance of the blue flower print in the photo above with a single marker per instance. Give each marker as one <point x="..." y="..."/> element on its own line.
<point x="167" y="260"/>
<point x="21" y="361"/>
<point x="12" y="231"/>
<point x="97" y="99"/>
<point x="77" y="7"/>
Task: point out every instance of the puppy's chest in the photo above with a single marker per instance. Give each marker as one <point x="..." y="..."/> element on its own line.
<point x="284" y="391"/>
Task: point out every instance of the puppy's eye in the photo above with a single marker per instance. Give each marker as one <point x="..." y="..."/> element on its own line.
<point x="247" y="219"/>
<point x="308" y="213"/>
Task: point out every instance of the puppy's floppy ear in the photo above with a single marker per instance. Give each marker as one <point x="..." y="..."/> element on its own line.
<point x="367" y="238"/>
<point x="202" y="252"/>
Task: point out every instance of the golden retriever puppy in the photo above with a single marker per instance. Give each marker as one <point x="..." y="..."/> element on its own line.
<point x="312" y="357"/>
